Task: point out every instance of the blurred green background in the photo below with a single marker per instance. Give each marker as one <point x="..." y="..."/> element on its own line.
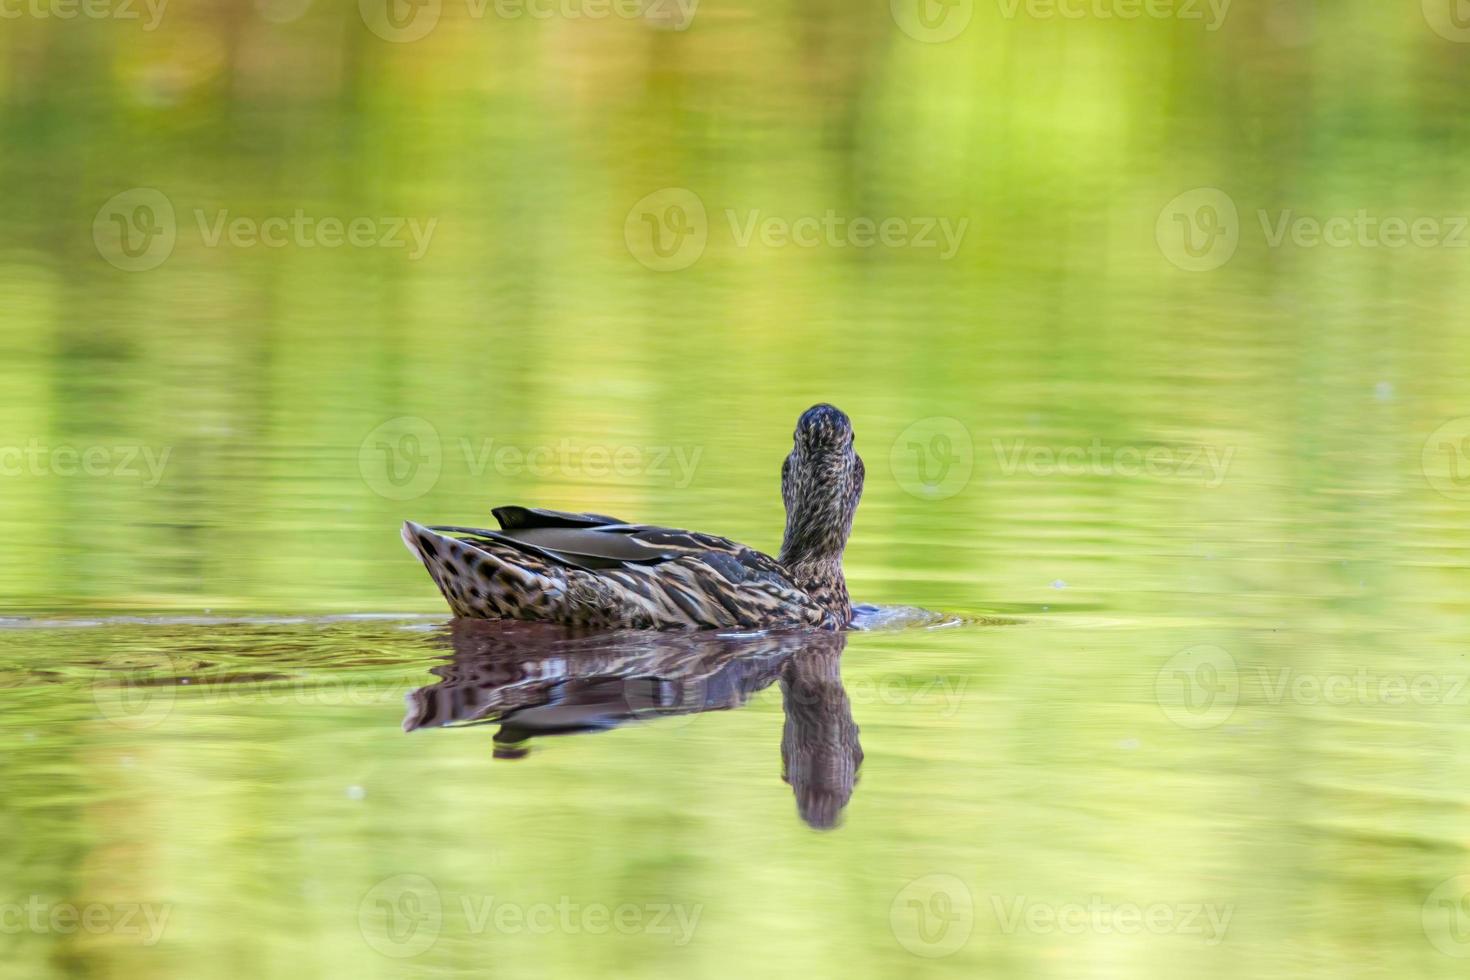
<point x="1187" y="370"/>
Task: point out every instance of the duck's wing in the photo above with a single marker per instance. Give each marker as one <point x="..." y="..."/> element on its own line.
<point x="602" y="546"/>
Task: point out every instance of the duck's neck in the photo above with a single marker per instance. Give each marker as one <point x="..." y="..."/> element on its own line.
<point x="822" y="579"/>
<point x="811" y="552"/>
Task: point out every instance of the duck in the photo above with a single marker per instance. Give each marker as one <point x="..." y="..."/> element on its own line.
<point x="591" y="570"/>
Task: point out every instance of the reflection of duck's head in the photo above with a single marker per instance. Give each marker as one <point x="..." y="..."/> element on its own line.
<point x="820" y="753"/>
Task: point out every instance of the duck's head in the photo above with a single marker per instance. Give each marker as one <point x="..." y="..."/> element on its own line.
<point x="821" y="482"/>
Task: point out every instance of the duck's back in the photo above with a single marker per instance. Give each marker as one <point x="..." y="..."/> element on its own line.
<point x="597" y="571"/>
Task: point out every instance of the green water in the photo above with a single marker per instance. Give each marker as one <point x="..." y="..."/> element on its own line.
<point x="1186" y="480"/>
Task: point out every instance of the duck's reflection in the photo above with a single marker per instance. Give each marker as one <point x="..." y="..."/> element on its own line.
<point x="820" y="754"/>
<point x="537" y="679"/>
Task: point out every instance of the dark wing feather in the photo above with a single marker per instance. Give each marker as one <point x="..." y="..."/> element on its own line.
<point x="592" y="547"/>
<point x="605" y="546"/>
<point x="585" y="548"/>
<point x="513" y="518"/>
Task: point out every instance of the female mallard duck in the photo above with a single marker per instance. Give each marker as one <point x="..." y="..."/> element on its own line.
<point x="591" y="570"/>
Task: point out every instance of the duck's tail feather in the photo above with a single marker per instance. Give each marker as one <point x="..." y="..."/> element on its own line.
<point x="486" y="581"/>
